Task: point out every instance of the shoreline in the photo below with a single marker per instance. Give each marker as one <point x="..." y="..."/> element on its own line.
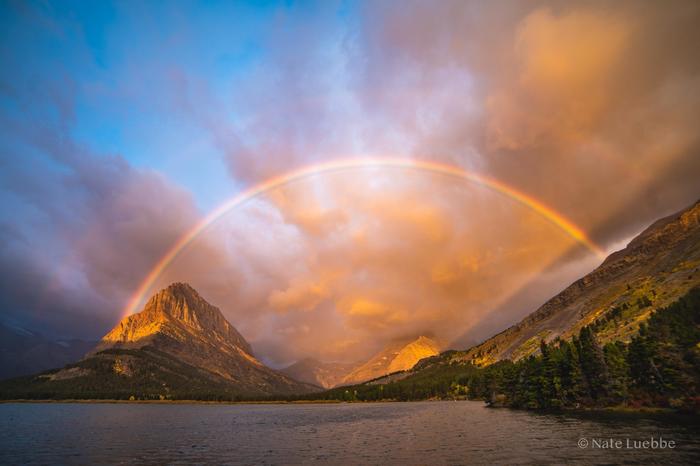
<point x="646" y="410"/>
<point x="170" y="402"/>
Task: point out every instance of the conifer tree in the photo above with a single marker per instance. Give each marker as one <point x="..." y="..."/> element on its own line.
<point x="593" y="364"/>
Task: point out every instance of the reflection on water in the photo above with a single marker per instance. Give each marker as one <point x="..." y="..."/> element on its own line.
<point x="372" y="433"/>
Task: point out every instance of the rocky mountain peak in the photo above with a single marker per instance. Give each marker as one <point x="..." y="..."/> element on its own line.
<point x="410" y="354"/>
<point x="662" y="235"/>
<point x="178" y="345"/>
<point x="398" y="355"/>
<point x="179" y="312"/>
<point x="182" y="302"/>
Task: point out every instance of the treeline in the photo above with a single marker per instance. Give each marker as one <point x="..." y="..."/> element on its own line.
<point x="433" y="382"/>
<point x="659" y="367"/>
<point x="157" y="376"/>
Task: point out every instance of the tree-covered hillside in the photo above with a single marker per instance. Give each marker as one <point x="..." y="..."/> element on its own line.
<point x="123" y="374"/>
<point x="660" y="366"/>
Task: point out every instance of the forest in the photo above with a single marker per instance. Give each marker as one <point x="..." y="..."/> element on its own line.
<point x="659" y="367"/>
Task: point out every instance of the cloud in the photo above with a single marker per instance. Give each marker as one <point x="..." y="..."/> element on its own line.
<point x="564" y="65"/>
<point x="576" y="104"/>
<point x="80" y="228"/>
<point x="101" y="225"/>
<point x="582" y="125"/>
<point x="589" y="107"/>
<point x="370" y="315"/>
<point x="413" y="254"/>
<point x="298" y="296"/>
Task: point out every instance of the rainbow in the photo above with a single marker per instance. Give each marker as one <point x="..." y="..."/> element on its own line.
<point x="347" y="164"/>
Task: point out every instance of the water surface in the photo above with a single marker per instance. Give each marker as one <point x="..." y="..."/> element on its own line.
<point x="372" y="433"/>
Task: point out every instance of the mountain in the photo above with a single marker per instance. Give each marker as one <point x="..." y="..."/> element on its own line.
<point x="658" y="368"/>
<point x="657" y="267"/>
<point x="178" y="318"/>
<point x="323" y="374"/>
<point x="625" y="335"/>
<point x="25" y="352"/>
<point x="397" y="356"/>
<point x="178" y="346"/>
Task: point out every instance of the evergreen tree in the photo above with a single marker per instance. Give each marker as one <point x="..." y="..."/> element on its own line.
<point x="593" y="364"/>
<point x="643" y="371"/>
<point x="619" y="373"/>
<point x="548" y="378"/>
<point x="574" y="388"/>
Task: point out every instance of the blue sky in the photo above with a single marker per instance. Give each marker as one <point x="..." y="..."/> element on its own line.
<point x="127" y="76"/>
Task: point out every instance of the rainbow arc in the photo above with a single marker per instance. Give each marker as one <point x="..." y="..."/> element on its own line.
<point x="540" y="208"/>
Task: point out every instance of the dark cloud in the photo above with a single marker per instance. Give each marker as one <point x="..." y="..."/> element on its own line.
<point x="79" y="229"/>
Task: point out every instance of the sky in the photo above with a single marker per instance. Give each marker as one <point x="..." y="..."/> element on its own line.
<point x="123" y="125"/>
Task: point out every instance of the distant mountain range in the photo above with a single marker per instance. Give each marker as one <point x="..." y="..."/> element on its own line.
<point x="323" y="374"/>
<point x="178" y="346"/>
<point x="23" y="352"/>
<point x="627" y="335"/>
<point x="399" y="355"/>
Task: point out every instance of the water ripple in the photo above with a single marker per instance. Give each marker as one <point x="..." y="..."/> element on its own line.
<point x="375" y="433"/>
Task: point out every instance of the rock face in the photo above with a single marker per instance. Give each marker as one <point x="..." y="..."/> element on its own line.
<point x="323" y="374"/>
<point x="179" y="322"/>
<point x="397" y="356"/>
<point x="180" y="313"/>
<point x="655" y="269"/>
<point x="178" y="346"/>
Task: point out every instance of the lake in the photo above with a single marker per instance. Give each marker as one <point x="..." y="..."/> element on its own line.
<point x="444" y="432"/>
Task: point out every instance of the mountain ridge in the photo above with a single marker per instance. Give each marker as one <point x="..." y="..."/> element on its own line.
<point x="656" y="268"/>
<point x="24" y="352"/>
<point x="178" y="346"/>
<point x="625" y="335"/>
<point x="323" y="374"/>
<point x="174" y="311"/>
<point x="397" y="356"/>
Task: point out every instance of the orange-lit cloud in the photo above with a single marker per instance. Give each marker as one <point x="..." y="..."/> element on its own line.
<point x="565" y="65"/>
<point x="563" y="101"/>
<point x="407" y="254"/>
<point x="298" y="296"/>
